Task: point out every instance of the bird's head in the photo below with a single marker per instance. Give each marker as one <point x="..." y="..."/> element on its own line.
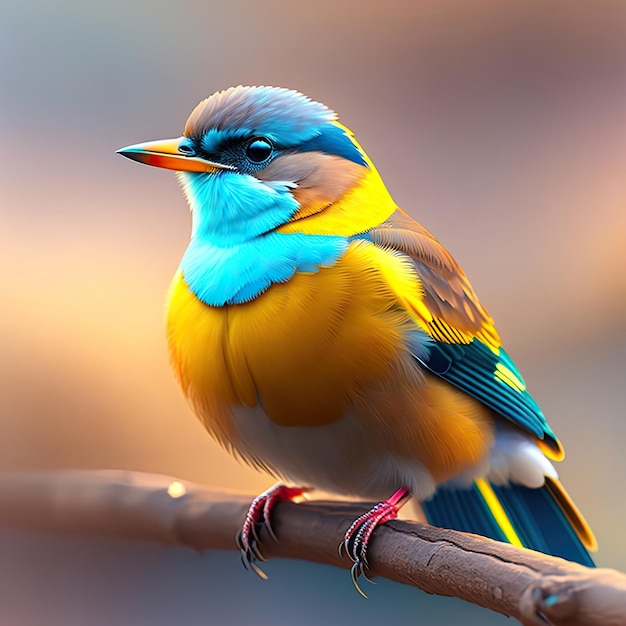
<point x="255" y="159"/>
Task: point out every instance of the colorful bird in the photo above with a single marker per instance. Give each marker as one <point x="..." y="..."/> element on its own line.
<point x="323" y="335"/>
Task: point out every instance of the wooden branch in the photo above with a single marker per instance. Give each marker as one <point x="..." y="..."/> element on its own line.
<point x="535" y="588"/>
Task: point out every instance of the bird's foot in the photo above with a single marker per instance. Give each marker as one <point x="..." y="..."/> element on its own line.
<point x="259" y="514"/>
<point x="357" y="537"/>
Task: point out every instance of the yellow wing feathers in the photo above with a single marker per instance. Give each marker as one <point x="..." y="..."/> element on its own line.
<point x="450" y="310"/>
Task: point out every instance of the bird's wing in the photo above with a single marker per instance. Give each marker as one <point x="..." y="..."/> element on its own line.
<point x="466" y="349"/>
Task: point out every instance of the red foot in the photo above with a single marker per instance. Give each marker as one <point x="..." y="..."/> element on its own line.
<point x="357" y="537"/>
<point x="259" y="513"/>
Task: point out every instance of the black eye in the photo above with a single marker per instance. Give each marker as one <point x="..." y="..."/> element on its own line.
<point x="186" y="149"/>
<point x="259" y="150"/>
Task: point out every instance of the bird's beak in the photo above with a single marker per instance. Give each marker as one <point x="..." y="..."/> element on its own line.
<point x="165" y="153"/>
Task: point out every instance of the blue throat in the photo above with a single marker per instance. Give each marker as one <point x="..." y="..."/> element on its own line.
<point x="234" y="254"/>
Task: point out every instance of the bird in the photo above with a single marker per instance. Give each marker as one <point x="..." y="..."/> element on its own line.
<point x="323" y="335"/>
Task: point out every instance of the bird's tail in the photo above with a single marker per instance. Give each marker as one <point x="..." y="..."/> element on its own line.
<point x="543" y="519"/>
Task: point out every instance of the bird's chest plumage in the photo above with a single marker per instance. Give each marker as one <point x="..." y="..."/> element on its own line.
<point x="301" y="348"/>
<point x="310" y="352"/>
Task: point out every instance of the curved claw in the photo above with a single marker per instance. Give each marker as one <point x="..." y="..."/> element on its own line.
<point x="357" y="538"/>
<point x="340" y="549"/>
<point x="355" y="572"/>
<point x="247" y="539"/>
<point x="369" y="580"/>
<point x="257" y="570"/>
<point x="254" y="549"/>
<point x="248" y="557"/>
<point x="244" y="559"/>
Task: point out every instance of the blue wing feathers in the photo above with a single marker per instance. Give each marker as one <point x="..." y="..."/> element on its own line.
<point x="486" y="373"/>
<point x="464" y="510"/>
<point x="540" y="522"/>
<point x="536" y="517"/>
<point x="472" y="368"/>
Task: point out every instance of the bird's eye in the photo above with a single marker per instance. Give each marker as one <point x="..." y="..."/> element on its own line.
<point x="186" y="149"/>
<point x="259" y="150"/>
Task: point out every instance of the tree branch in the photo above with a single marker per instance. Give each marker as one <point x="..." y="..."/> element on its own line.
<point x="535" y="588"/>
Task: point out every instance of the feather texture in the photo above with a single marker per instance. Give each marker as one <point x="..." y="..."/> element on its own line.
<point x="467" y="351"/>
<point x="530" y="518"/>
<point x="354" y="355"/>
<point x="321" y="334"/>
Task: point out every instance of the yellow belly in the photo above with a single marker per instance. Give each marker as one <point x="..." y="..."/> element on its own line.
<point x="319" y="346"/>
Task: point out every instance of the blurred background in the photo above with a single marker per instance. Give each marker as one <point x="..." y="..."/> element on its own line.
<point x="501" y="126"/>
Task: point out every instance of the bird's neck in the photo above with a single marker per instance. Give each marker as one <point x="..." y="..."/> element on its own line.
<point x="235" y="254"/>
<point x="241" y="272"/>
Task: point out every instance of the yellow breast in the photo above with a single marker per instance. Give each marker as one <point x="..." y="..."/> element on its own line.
<point x="301" y="347"/>
<point x="317" y="346"/>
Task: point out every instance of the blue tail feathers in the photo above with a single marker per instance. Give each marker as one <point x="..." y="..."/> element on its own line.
<point x="543" y="519"/>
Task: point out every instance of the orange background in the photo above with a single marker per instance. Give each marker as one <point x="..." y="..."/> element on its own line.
<point x="499" y="125"/>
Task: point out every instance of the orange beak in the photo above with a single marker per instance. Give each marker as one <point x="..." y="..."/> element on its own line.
<point x="165" y="153"/>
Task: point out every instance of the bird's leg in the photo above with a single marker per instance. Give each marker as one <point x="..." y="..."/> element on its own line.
<point x="357" y="537"/>
<point x="259" y="514"/>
